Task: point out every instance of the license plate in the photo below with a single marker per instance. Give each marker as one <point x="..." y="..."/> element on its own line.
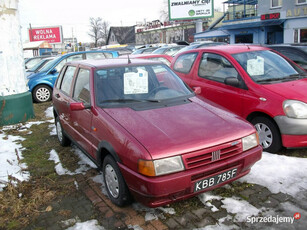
<point x="217" y="179"/>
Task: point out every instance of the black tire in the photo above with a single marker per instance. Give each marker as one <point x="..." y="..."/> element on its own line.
<point x="42" y="93"/>
<point x="115" y="184"/>
<point x="63" y="139"/>
<point x="269" y="135"/>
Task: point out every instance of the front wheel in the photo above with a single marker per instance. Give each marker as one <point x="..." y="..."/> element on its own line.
<point x="115" y="184"/>
<point x="269" y="135"/>
<point x="42" y="93"/>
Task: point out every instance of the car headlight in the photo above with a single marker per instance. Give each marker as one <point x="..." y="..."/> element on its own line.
<point x="295" y="109"/>
<point x="161" y="166"/>
<point x="250" y="141"/>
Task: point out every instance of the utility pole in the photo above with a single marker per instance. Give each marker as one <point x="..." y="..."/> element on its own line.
<point x="15" y="99"/>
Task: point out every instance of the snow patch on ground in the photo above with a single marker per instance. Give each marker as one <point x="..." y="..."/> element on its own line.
<point x="10" y="155"/>
<point x="280" y="174"/>
<point x="91" y="224"/>
<point x="85" y="163"/>
<point x="153" y="213"/>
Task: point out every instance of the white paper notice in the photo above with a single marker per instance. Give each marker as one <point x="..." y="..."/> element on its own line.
<point x="255" y="67"/>
<point x="136" y="83"/>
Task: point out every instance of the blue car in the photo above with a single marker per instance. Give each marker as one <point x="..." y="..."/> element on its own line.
<point x="41" y="83"/>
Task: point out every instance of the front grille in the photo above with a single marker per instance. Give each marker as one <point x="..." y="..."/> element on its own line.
<point x="204" y="156"/>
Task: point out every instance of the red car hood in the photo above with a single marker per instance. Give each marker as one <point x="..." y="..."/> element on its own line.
<point x="294" y="90"/>
<point x="183" y="128"/>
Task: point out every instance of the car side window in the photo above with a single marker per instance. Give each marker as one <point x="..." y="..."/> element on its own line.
<point x="59" y="81"/>
<point x="184" y="62"/>
<point x="95" y="56"/>
<point x="67" y="79"/>
<point x="216" y="68"/>
<point x="82" y="87"/>
<point x="68" y="59"/>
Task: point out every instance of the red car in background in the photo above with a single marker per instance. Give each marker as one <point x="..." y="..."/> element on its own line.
<point x="255" y="83"/>
<point x="152" y="136"/>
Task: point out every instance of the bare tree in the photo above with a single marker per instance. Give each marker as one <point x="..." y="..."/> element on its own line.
<point x="105" y="31"/>
<point x="99" y="30"/>
<point x="164" y="14"/>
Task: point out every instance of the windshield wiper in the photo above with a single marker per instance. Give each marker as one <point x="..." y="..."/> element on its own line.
<point x="269" y="80"/>
<point x="130" y="100"/>
<point x="297" y="76"/>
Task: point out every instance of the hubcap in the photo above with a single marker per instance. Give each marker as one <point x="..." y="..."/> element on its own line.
<point x="112" y="181"/>
<point x="265" y="135"/>
<point x="59" y="131"/>
<point x="43" y="94"/>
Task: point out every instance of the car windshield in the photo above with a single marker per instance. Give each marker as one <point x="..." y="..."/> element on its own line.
<point x="135" y="84"/>
<point x="50" y="64"/>
<point x="266" y="66"/>
<point x="304" y="48"/>
<point x="39" y="65"/>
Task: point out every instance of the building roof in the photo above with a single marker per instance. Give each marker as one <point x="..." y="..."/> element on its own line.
<point x="123" y="34"/>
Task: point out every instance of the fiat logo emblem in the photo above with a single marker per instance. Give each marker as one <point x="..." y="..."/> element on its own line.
<point x="216" y="155"/>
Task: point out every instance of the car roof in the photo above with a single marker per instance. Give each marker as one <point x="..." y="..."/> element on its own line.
<point x="114" y="62"/>
<point x="233" y="49"/>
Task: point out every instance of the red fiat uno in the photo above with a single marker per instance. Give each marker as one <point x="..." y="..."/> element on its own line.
<point x="153" y="138"/>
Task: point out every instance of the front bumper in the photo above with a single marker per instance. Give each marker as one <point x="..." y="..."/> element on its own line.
<point x="158" y="191"/>
<point x="293" y="131"/>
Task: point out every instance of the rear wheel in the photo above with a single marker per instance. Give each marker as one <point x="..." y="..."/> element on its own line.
<point x="115" y="184"/>
<point x="64" y="141"/>
<point x="269" y="135"/>
<point x="42" y="93"/>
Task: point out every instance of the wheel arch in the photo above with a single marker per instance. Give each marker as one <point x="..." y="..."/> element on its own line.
<point x="253" y="115"/>
<point x="104" y="149"/>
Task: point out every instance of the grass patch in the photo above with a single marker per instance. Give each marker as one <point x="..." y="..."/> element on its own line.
<point x="181" y="207"/>
<point x="21" y="204"/>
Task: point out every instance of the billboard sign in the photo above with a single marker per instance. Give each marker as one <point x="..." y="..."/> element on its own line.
<point x="187" y="10"/>
<point x="49" y="34"/>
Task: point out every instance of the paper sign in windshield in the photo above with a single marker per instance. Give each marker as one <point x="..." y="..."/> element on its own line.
<point x="255" y="67"/>
<point x="136" y="83"/>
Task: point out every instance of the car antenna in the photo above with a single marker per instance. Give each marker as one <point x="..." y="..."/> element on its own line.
<point x="129" y="61"/>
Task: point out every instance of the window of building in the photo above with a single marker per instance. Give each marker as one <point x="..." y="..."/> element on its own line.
<point x="303" y="35"/>
<point x="300" y="36"/>
<point x="276" y="3"/>
<point x="246" y="38"/>
<point x="301" y="2"/>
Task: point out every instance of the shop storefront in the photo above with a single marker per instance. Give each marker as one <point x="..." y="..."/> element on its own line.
<point x="271" y="22"/>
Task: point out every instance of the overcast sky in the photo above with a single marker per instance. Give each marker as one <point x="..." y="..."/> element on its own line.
<point x="74" y="15"/>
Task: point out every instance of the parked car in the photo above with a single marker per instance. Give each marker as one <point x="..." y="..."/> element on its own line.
<point x="30" y="62"/>
<point x="38" y="66"/>
<point x="168" y="50"/>
<point x="152" y="137"/>
<point x="196" y="45"/>
<point x="255" y="83"/>
<point x="144" y="50"/>
<point x="166" y="59"/>
<point x="297" y="53"/>
<point x="41" y="83"/>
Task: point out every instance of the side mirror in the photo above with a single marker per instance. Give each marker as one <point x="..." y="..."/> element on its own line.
<point x="232" y="81"/>
<point x="77" y="106"/>
<point x="197" y="90"/>
<point x="53" y="71"/>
